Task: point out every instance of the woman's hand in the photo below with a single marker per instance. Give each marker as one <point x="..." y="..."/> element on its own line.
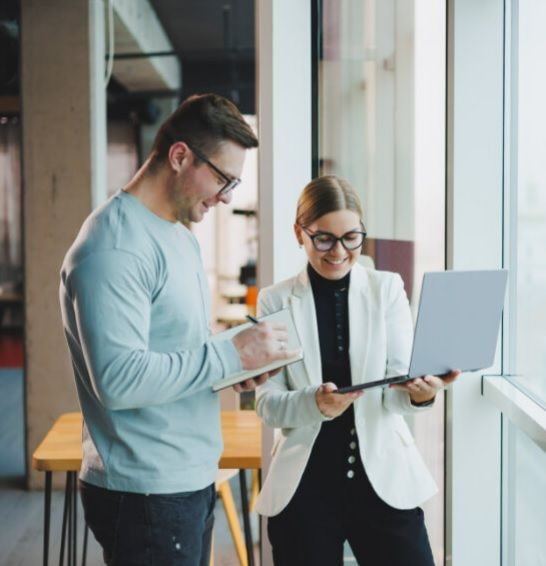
<point x="332" y="404"/>
<point x="423" y="389"/>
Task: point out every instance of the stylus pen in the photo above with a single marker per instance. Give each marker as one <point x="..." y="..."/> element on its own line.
<point x="252" y="319"/>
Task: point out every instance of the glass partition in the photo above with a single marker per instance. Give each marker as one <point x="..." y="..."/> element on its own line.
<point x="380" y="74"/>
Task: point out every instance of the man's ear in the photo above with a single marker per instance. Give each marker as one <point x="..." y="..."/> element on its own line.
<point x="178" y="152"/>
<point x="299" y="234"/>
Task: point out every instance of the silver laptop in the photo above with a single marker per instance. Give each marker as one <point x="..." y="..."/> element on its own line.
<point x="457" y="324"/>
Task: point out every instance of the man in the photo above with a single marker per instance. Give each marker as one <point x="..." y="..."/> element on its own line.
<point x="135" y="312"/>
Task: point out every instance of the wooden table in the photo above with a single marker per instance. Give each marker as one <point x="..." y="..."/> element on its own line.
<point x="234" y="293"/>
<point x="232" y="315"/>
<point x="61" y="451"/>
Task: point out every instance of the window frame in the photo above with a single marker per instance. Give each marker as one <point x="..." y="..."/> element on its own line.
<point x="478" y="115"/>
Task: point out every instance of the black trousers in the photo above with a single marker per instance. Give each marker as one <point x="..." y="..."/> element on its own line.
<point x="312" y="529"/>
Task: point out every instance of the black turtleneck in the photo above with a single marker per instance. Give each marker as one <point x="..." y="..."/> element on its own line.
<point x="335" y="453"/>
<point x="332" y="311"/>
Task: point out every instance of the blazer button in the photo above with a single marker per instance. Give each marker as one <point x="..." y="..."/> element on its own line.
<point x="353" y="432"/>
<point x="350" y="474"/>
<point x="352" y="445"/>
<point x="351" y="459"/>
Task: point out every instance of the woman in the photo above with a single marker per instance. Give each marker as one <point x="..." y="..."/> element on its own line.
<point x="345" y="466"/>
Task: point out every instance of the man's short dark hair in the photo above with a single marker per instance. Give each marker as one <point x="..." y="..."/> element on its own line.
<point x="204" y="121"/>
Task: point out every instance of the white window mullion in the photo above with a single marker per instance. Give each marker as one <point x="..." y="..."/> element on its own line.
<point x="474" y="239"/>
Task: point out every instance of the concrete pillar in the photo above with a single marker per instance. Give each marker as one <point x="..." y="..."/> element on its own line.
<point x="64" y="156"/>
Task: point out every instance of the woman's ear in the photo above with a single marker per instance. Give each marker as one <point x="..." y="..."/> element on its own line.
<point x="299" y="234"/>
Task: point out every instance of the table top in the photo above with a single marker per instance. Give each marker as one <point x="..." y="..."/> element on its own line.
<point x="10" y="297"/>
<point x="234" y="291"/>
<point x="232" y="314"/>
<point x="61" y="449"/>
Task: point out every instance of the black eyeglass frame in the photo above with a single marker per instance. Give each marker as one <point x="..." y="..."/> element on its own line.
<point x="231" y="182"/>
<point x="335" y="239"/>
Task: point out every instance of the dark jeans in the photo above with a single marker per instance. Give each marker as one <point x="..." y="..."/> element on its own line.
<point x="143" y="530"/>
<point x="312" y="529"/>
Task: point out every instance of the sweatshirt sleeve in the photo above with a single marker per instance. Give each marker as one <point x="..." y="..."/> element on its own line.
<point x="109" y="295"/>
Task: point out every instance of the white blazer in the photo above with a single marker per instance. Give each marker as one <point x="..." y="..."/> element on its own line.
<point x="380" y="345"/>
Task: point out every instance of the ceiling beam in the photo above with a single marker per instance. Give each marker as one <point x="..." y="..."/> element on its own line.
<point x="138" y="30"/>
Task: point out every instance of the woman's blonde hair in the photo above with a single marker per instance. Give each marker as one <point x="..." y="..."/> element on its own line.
<point x="323" y="195"/>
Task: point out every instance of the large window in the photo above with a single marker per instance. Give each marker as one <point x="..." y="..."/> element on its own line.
<point x="529" y="202"/>
<point x="524" y="511"/>
<point x="380" y="75"/>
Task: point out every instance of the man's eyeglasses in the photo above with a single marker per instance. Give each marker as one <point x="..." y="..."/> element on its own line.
<point x="325" y="241"/>
<point x="231" y="183"/>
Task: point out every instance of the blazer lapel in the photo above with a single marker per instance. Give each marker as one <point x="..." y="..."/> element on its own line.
<point x="305" y="320"/>
<point x="359" y="323"/>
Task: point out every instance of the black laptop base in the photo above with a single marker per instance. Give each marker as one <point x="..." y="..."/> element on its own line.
<point x="377" y="383"/>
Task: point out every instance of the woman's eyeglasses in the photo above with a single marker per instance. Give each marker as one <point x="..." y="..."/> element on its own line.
<point x="325" y="241"/>
<point x="231" y="183"/>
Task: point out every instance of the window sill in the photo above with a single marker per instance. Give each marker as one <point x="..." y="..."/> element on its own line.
<point x="525" y="413"/>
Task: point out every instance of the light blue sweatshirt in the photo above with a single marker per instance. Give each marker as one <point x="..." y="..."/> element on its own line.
<point x="135" y="308"/>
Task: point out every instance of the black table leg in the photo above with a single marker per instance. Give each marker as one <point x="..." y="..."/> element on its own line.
<point x="65" y="518"/>
<point x="47" y="516"/>
<point x="85" y="535"/>
<point x="260" y="519"/>
<point x="74" y="519"/>
<point x="70" y="521"/>
<point x="246" y="518"/>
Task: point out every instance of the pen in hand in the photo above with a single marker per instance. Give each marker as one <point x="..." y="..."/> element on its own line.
<point x="252" y="319"/>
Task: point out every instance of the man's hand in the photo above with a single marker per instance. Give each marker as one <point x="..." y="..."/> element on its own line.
<point x="253" y="382"/>
<point x="263" y="344"/>
<point x="333" y="404"/>
<point x="423" y="389"/>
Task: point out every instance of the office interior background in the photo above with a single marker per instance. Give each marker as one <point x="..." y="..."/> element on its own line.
<point x="432" y="109"/>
